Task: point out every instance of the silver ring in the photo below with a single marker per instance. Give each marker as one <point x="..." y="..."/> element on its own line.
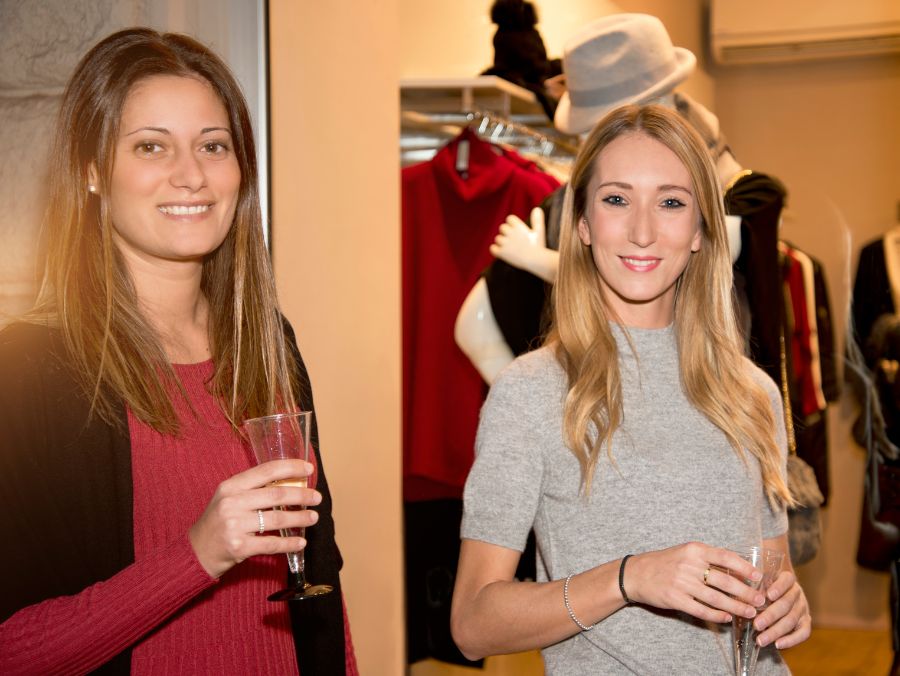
<point x="262" y="522"/>
<point x="706" y="576"/>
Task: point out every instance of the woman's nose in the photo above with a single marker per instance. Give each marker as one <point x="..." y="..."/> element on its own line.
<point x="642" y="230"/>
<point x="187" y="172"/>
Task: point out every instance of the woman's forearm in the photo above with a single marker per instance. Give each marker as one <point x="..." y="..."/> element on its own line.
<point x="504" y="616"/>
<point x="76" y="634"/>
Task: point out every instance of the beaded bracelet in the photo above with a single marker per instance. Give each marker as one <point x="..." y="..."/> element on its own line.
<point x="569" y="607"/>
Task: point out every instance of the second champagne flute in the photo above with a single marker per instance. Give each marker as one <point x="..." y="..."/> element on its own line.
<point x="746" y="650"/>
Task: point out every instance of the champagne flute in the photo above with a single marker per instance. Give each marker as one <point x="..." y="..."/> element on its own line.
<point x="746" y="650"/>
<point x="277" y="437"/>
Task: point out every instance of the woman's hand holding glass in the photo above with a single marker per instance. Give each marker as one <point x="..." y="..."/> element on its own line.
<point x="693" y="578"/>
<point x="786" y="621"/>
<point x="228" y="531"/>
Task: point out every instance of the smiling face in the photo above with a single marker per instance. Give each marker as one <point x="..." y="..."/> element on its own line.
<point x="175" y="177"/>
<point x="642" y="223"/>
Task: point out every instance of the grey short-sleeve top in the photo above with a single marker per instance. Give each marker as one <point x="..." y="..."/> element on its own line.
<point x="675" y="479"/>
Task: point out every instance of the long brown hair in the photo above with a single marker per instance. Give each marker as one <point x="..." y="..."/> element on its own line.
<point x="712" y="366"/>
<point x="87" y="290"/>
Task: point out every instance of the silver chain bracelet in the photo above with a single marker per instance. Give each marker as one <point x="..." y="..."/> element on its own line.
<point x="569" y="607"/>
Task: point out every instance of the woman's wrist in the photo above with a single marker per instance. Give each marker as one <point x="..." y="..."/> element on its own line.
<point x="625" y="598"/>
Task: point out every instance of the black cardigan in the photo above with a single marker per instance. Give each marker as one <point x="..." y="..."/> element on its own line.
<point x="66" y="497"/>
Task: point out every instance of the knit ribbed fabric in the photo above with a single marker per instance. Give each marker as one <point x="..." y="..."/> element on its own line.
<point x="230" y="628"/>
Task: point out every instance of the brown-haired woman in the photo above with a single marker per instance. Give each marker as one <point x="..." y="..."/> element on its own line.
<point x="139" y="534"/>
<point x="638" y="429"/>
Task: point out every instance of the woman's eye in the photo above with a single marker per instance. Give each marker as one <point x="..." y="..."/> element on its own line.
<point x="214" y="147"/>
<point x="148" y="148"/>
<point x="614" y="199"/>
<point x="672" y="203"/>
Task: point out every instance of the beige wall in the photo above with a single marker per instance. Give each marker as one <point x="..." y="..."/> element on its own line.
<point x="829" y="130"/>
<point x="453" y="38"/>
<point x="336" y="237"/>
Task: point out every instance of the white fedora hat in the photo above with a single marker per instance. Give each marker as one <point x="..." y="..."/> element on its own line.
<point x="619" y="59"/>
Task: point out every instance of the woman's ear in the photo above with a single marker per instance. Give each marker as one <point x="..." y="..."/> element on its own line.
<point x="93" y="178"/>
<point x="698" y="238"/>
<point x="584" y="231"/>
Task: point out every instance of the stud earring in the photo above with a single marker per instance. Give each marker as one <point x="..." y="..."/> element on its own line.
<point x="92" y="188"/>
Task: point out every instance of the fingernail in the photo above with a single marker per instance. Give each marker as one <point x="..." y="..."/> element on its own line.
<point x="314" y="516"/>
<point x="728" y="618"/>
<point x="756" y="576"/>
<point x="751" y="613"/>
<point x="309" y="468"/>
<point x="760" y="625"/>
<point x="762" y="642"/>
<point x="317" y="498"/>
<point x="758" y="600"/>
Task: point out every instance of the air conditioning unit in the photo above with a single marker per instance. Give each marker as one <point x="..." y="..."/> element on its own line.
<point x="775" y="31"/>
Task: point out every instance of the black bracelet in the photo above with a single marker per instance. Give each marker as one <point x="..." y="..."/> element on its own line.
<point x="622" y="579"/>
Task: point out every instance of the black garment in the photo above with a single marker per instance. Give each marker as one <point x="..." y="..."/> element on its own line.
<point x="520" y="300"/>
<point x="65" y="486"/>
<point x="431" y="533"/>
<point x="431" y="551"/>
<point x="758" y="199"/>
<point x="871" y="291"/>
<point x="877" y="331"/>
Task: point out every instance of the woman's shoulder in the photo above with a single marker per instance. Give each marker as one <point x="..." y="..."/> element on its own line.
<point x="26" y="344"/>
<point x="536" y="371"/>
<point x="33" y="366"/>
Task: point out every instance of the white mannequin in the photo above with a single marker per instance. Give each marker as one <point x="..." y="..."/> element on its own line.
<point x="476" y="331"/>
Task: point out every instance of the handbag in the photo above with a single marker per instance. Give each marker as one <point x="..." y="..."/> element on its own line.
<point x="804" y="520"/>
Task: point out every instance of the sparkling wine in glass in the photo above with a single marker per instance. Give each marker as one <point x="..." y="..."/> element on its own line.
<point x="278" y="437"/>
<point x="746" y="650"/>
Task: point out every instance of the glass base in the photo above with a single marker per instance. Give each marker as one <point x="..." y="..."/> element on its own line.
<point x="299" y="593"/>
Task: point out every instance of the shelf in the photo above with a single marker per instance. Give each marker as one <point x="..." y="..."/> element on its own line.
<point x="486" y="92"/>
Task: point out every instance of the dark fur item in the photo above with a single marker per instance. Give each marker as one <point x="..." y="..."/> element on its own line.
<point x="519" y="52"/>
<point x="513" y="14"/>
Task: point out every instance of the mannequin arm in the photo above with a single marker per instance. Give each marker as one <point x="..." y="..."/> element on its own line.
<point x="526" y="248"/>
<point x="478" y="335"/>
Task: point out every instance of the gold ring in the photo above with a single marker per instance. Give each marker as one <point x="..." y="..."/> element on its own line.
<point x="706" y="576"/>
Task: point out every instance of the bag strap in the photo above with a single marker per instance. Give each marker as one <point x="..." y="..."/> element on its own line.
<point x="786" y="396"/>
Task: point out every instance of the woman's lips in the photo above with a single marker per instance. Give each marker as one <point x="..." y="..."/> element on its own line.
<point x="641" y="263"/>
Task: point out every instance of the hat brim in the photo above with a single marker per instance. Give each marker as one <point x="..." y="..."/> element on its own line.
<point x="578" y="120"/>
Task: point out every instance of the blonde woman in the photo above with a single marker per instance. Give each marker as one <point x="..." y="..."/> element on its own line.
<point x="139" y="535"/>
<point x="639" y="443"/>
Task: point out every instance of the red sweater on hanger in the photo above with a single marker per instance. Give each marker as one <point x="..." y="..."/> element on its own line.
<point x="449" y="221"/>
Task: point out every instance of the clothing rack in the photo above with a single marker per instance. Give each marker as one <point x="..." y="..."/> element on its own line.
<point x="422" y="135"/>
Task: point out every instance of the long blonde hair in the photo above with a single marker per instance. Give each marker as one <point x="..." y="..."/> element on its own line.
<point x="713" y="374"/>
<point x="87" y="290"/>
